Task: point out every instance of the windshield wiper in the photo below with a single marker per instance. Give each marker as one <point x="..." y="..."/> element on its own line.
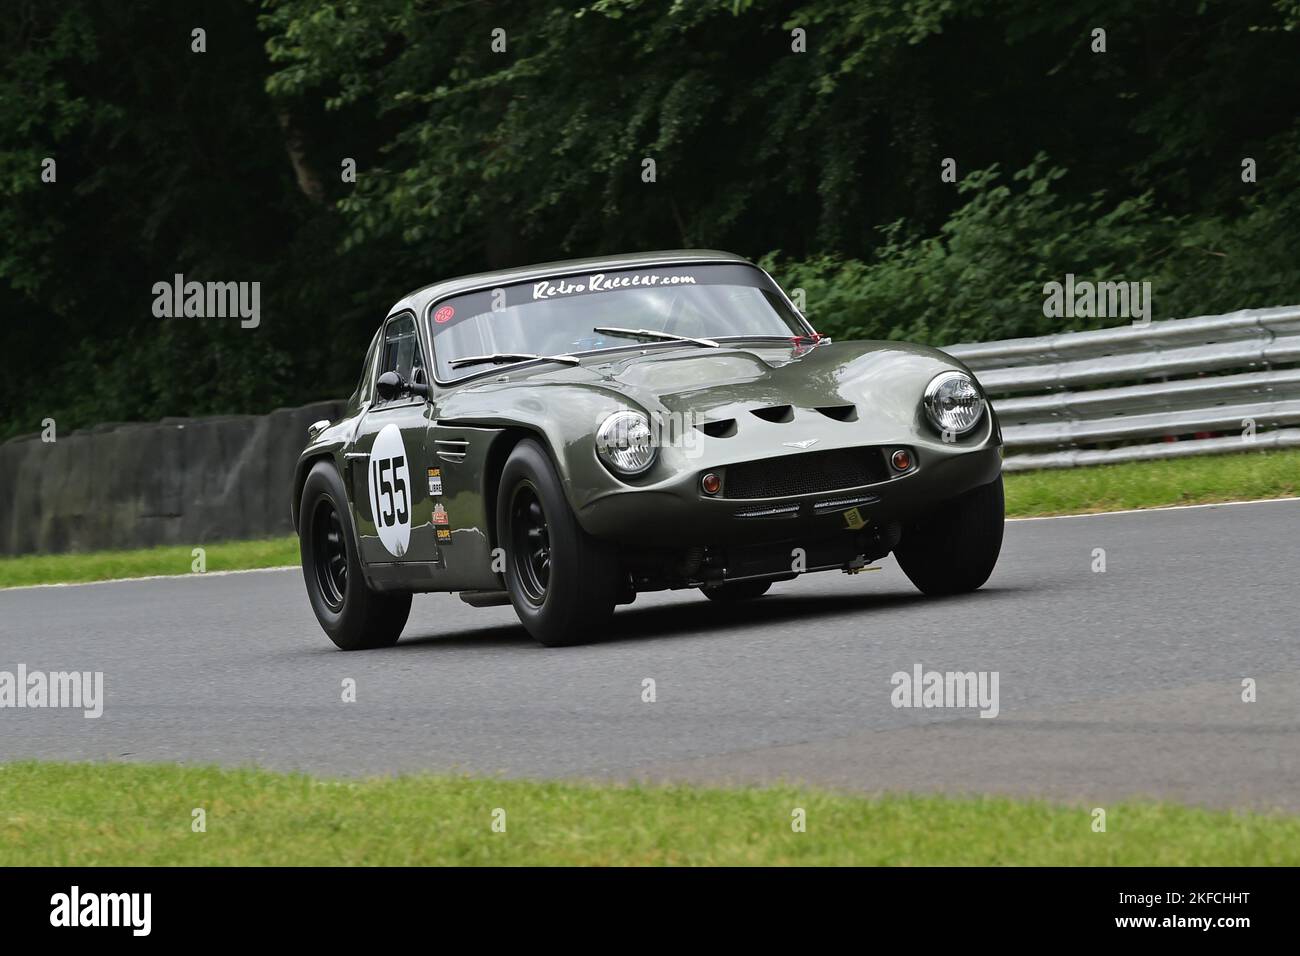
<point x="661" y="336"/>
<point x="500" y="358"/>
<point x="801" y="339"/>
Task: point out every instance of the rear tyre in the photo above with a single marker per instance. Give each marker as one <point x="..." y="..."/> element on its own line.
<point x="562" y="582"/>
<point x="355" y="617"/>
<point x="953" y="549"/>
<point x="737" y="591"/>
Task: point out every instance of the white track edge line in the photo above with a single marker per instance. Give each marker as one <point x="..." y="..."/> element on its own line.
<point x="151" y="577"/>
<point x="1157" y="510"/>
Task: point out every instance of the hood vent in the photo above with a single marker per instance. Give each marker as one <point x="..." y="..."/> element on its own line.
<point x="722" y="428"/>
<point x="775" y="413"/>
<point x="841" y="413"/>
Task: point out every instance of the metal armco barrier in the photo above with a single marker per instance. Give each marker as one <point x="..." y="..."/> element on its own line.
<point x="1212" y="384"/>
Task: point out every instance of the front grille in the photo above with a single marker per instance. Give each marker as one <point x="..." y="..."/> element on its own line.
<point x="807" y="474"/>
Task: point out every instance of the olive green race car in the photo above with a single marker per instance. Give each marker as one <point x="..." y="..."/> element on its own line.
<point x="564" y="436"/>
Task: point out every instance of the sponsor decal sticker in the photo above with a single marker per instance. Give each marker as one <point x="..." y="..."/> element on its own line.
<point x="600" y="282"/>
<point x="444" y="315"/>
<point x="439" y="515"/>
<point x="390" y="490"/>
<point x="444" y="536"/>
<point x="435" y="482"/>
<point x="853" y="518"/>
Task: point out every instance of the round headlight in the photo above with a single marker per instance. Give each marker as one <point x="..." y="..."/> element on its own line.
<point x="953" y="402"/>
<point x="625" y="443"/>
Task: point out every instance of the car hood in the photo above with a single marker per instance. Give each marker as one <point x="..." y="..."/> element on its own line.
<point x="719" y="382"/>
<point x="879" y="384"/>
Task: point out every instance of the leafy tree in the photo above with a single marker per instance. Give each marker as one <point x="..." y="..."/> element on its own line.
<point x="227" y="165"/>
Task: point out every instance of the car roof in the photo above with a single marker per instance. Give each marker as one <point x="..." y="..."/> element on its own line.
<point x="419" y="299"/>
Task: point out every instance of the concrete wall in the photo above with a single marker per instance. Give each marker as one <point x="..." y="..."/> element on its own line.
<point x="178" y="481"/>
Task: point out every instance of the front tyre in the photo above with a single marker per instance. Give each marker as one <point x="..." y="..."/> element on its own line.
<point x="562" y="582"/>
<point x="355" y="617"/>
<point x="953" y="549"/>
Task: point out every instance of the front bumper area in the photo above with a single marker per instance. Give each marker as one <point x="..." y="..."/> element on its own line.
<point x="677" y="514"/>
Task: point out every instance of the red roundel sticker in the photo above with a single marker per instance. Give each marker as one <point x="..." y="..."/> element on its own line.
<point x="444" y="314"/>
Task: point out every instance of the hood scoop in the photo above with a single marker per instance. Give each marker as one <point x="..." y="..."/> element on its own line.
<point x="779" y="414"/>
<point x="841" y="413"/>
<point x="722" y="428"/>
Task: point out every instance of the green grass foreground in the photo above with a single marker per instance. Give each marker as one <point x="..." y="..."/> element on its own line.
<point x="140" y="814"/>
<point x="170" y="559"/>
<point x="1148" y="484"/>
<point x="1245" y="476"/>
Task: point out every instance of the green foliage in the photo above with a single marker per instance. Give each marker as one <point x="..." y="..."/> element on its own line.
<point x="168" y="162"/>
<point x="982" y="276"/>
<point x="225" y="166"/>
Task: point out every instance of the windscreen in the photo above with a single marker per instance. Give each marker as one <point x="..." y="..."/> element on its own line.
<point x="560" y="315"/>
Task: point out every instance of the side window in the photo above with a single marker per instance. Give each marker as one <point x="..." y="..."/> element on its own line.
<point x="401" y="350"/>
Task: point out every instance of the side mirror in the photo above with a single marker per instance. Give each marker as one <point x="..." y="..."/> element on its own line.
<point x="389" y="386"/>
<point x="420" y="383"/>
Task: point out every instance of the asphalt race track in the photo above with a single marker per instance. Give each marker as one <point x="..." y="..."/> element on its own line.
<point x="1114" y="684"/>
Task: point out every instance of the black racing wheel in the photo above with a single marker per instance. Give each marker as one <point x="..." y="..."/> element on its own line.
<point x="562" y="582"/>
<point x="354" y="616"/>
<point x="953" y="548"/>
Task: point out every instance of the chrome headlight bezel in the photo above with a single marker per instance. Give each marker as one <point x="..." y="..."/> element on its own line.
<point x="939" y="405"/>
<point x="625" y="443"/>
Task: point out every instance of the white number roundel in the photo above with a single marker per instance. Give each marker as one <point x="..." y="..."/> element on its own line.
<point x="390" y="490"/>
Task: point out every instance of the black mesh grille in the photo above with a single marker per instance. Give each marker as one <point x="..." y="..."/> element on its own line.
<point x="805" y="474"/>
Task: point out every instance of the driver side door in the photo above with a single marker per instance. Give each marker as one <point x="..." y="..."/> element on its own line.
<point x="389" y="456"/>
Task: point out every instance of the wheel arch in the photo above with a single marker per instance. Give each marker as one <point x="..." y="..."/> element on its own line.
<point x="300" y="473"/>
<point x="495" y="463"/>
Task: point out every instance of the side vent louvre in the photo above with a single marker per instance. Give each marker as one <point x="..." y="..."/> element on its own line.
<point x="450" y="449"/>
<point x="841" y="413"/>
<point x="775" y="413"/>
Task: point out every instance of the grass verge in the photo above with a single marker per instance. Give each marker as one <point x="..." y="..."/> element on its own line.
<point x="170" y="559"/>
<point x="1245" y="476"/>
<point x="1145" y="484"/>
<point x="140" y="814"/>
